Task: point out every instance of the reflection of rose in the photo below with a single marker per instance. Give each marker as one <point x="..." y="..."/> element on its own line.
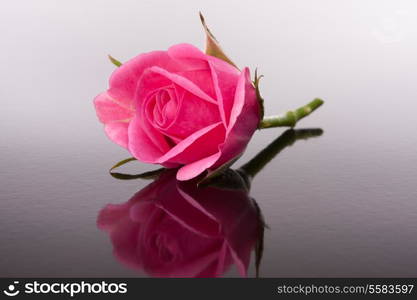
<point x="180" y="107"/>
<point x="173" y="229"/>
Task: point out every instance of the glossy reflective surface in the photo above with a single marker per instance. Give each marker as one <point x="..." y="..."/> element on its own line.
<point x="174" y="229"/>
<point x="343" y="204"/>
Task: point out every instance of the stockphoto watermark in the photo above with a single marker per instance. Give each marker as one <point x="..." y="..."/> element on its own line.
<point x="68" y="288"/>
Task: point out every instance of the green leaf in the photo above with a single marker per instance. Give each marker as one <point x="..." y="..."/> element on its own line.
<point x="146" y="175"/>
<point x="212" y="45"/>
<point x="258" y="96"/>
<point x="122" y="176"/>
<point x="114" y="61"/>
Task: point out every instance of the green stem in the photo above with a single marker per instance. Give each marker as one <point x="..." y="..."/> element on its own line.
<point x="292" y="117"/>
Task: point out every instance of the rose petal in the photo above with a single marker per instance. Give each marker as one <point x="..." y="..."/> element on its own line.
<point x="224" y="257"/>
<point x="240" y="97"/>
<point x="225" y="85"/>
<point x="181" y="121"/>
<point x="188" y="52"/>
<point x="236" y="213"/>
<point x="117" y="132"/>
<point x="200" y="144"/>
<point x="110" y="216"/>
<point x="186" y="214"/>
<point x="109" y="110"/>
<point x="192" y="54"/>
<point x="124" y="241"/>
<point x="200" y="73"/>
<point x="116" y="104"/>
<point x="115" y="116"/>
<point x="244" y="120"/>
<point x="185" y="122"/>
<point x="149" y="83"/>
<point x="194" y="169"/>
<point x="224" y="75"/>
<point x="241" y="256"/>
<point x="141" y="210"/>
<point x="145" y="142"/>
<point x="182" y="82"/>
<point x="193" y="201"/>
<point x="201" y="78"/>
<point x="124" y="79"/>
<point x="114" y="218"/>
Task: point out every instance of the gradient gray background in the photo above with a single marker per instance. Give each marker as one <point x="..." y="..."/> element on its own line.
<point x="344" y="204"/>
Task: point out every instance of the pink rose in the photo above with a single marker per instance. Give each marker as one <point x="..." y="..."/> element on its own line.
<point x="180" y="108"/>
<point x="173" y="229"/>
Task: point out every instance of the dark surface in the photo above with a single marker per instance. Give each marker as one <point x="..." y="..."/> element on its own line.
<point x="343" y="204"/>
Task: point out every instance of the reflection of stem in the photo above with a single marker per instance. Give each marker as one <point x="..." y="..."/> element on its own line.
<point x="286" y="139"/>
<point x="292" y="117"/>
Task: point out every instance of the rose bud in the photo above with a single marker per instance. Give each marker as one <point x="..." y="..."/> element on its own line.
<point x="180" y="107"/>
<point x="187" y="109"/>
